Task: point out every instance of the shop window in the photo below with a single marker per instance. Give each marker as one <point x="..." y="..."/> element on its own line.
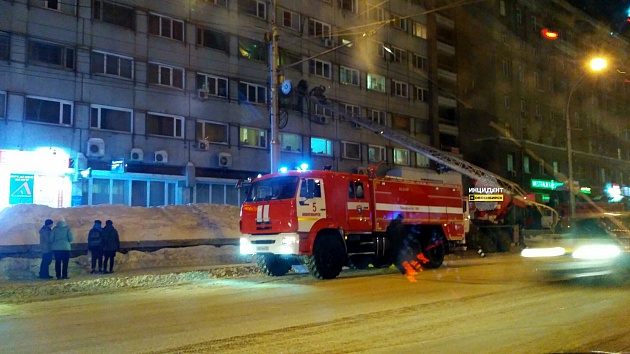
<point x="231" y="195"/>
<point x="321" y="146"/>
<point x="166" y="27"/>
<point x="213" y="85"/>
<point x="111" y="65"/>
<point x="252" y="137"/>
<point x="157" y="196"/>
<point x="253" y="93"/>
<point x="202" y="193"/>
<point x="100" y="191"/>
<point x="165" y="75"/>
<point x="47" y="110"/>
<point x="120" y="191"/>
<point x="111" y="118"/>
<point x="290" y="142"/>
<point x="213" y="39"/>
<point x="114" y="14"/>
<point x="211" y="131"/>
<point x="251" y="49"/>
<point x="376" y="153"/>
<point x="139" y="193"/>
<point x="165" y="125"/>
<point x="51" y="54"/>
<point x="375" y="82"/>
<point x="218" y="194"/>
<point x="351" y="151"/>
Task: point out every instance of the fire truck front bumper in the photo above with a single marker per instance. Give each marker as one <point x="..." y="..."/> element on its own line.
<point x="285" y="243"/>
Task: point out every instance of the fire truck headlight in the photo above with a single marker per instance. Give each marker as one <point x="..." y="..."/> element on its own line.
<point x="289" y="240"/>
<point x="597" y="252"/>
<point x="543" y="252"/>
<point x="246" y="246"/>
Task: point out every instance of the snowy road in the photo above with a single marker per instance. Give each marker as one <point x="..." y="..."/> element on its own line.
<point x="486" y="305"/>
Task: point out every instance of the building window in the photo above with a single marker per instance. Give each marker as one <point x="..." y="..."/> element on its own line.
<point x="398" y="55"/>
<point x="521" y="73"/>
<point x="526" y="167"/>
<point x="253" y="137"/>
<point x="165" y="125"/>
<point x="111" y="118"/>
<point x="5" y="46"/>
<point x="3" y="105"/>
<point x="319" y="29"/>
<point x="506" y="101"/>
<point x="541" y="167"/>
<point x="502" y="8"/>
<point x="165" y="75"/>
<point x="537" y="79"/>
<point x="552" y="88"/>
<point x="251" y="49"/>
<point x="212" y="39"/>
<point x="349" y="5"/>
<point x="401" y="156"/>
<point x="256" y="8"/>
<point x="400" y="89"/>
<point x="419" y="62"/>
<point x="348" y="76"/>
<point x="213" y="85"/>
<point x="419" y="30"/>
<point x="253" y="93"/>
<point x="376" y="153"/>
<point x="523" y="106"/>
<point x="48" y="110"/>
<point x="422" y="161"/>
<point x="290" y="60"/>
<point x="375" y="82"/>
<point x="378" y="117"/>
<point x="222" y="3"/>
<point x="166" y="27"/>
<point x="351" y="151"/>
<point x="352" y="110"/>
<point x="211" y="131"/>
<point x="112" y="65"/>
<point x="519" y="17"/>
<point x="421" y="94"/>
<point x="114" y="14"/>
<point x="376" y="13"/>
<point x="323" y="111"/>
<point x="378" y="49"/>
<point x="506" y="68"/>
<point x="510" y="162"/>
<point x="320" y="68"/>
<point x="321" y="146"/>
<point x="50" y="54"/>
<point x="65" y="6"/>
<point x="399" y="22"/>
<point x="290" y="142"/>
<point x="401" y="123"/>
<point x="291" y="20"/>
<point x="555" y="167"/>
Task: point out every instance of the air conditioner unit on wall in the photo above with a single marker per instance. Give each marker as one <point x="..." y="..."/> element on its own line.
<point x="361" y="170"/>
<point x="160" y="156"/>
<point x="355" y="125"/>
<point x="202" y="94"/>
<point x="225" y="159"/>
<point x="136" y="154"/>
<point x="202" y="145"/>
<point x="95" y="147"/>
<point x="321" y="119"/>
<point x="327" y="42"/>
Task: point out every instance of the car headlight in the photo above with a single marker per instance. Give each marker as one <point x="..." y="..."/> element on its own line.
<point x="543" y="252"/>
<point x="597" y="252"/>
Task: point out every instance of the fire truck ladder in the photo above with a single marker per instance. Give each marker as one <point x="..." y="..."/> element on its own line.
<point x="442" y="157"/>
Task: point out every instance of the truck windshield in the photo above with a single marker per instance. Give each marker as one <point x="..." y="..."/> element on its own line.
<point x="273" y="188"/>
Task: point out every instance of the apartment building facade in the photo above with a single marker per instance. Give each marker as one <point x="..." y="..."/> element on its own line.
<point x="147" y="103"/>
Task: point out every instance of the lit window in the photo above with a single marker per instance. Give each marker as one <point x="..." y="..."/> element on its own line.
<point x="401" y="156"/>
<point x="376" y="153"/>
<point x="375" y="82"/>
<point x="112" y="65"/>
<point x="251" y="49"/>
<point x="111" y="118"/>
<point x="165" y="125"/>
<point x="321" y="146"/>
<point x="167" y="27"/>
<point x="526" y="165"/>
<point x="252" y="137"/>
<point x="165" y="75"/>
<point x="419" y="30"/>
<point x="212" y="131"/>
<point x="48" y="110"/>
<point x="290" y="142"/>
<point x="253" y="93"/>
<point x="510" y="162"/>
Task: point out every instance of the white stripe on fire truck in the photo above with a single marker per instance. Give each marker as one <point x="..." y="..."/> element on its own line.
<point x="259" y="213"/>
<point x="418" y="208"/>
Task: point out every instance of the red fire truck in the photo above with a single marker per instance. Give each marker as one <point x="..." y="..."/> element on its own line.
<point x="327" y="220"/>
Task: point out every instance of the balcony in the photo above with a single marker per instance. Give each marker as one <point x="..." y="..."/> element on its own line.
<point x="447" y="102"/>
<point x="445" y="48"/>
<point x="444" y="21"/>
<point x="449" y="129"/>
<point x="447" y="75"/>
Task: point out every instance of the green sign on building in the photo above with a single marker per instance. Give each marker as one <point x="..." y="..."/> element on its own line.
<point x="546" y="184"/>
<point x="21" y="189"/>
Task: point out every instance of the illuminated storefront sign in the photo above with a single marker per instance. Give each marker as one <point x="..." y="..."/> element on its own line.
<point x="21" y="189"/>
<point x="545" y="184"/>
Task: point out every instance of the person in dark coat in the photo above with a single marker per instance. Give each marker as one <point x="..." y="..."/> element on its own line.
<point x="95" y="247"/>
<point x="44" y="246"/>
<point x="62" y="238"/>
<point x="111" y="244"/>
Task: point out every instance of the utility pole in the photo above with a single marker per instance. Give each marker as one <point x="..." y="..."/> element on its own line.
<point x="273" y="109"/>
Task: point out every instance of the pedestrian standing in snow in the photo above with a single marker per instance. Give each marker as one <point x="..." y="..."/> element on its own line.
<point x="95" y="247"/>
<point x="44" y="246"/>
<point x="111" y="244"/>
<point x="62" y="238"/>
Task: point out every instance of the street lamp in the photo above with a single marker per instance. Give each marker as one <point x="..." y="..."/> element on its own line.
<point x="596" y="64"/>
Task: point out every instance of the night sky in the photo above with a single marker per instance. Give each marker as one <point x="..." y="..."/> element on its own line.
<point x="612" y="12"/>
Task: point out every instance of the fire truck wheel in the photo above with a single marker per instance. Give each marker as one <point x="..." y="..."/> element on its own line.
<point x="359" y="262"/>
<point x="272" y="264"/>
<point x="433" y="249"/>
<point x="328" y="257"/>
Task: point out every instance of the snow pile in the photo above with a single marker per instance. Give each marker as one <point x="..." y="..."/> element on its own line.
<point x="19" y="224"/>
